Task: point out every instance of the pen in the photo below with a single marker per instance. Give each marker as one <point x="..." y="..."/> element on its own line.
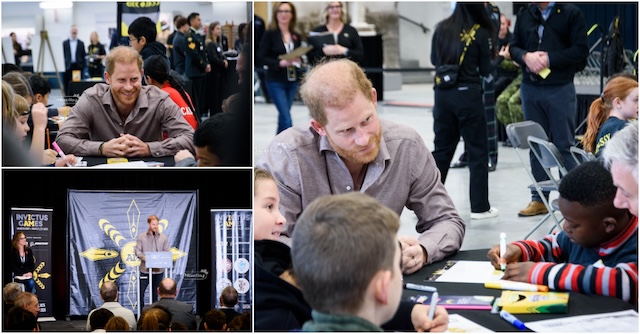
<point x="512" y="320"/>
<point x="57" y="148"/>
<point x="517" y="286"/>
<point x="418" y="287"/>
<point x="503" y="249"/>
<point x="432" y="306"/>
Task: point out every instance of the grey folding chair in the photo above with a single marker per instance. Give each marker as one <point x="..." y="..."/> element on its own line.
<point x="518" y="134"/>
<point x="580" y="155"/>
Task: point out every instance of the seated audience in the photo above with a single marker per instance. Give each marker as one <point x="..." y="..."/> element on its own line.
<point x="155" y="319"/>
<point x="213" y="143"/>
<point x="214" y="321"/>
<point x="241" y="323"/>
<point x="19" y="319"/>
<point x="98" y="319"/>
<point x="117" y="324"/>
<point x="621" y="157"/>
<point x="597" y="251"/>
<point x="180" y="311"/>
<point x="278" y="300"/>
<point x="109" y="294"/>
<point x="611" y="112"/>
<point x="178" y="326"/>
<point x="229" y="299"/>
<point x="122" y="118"/>
<point x="9" y="294"/>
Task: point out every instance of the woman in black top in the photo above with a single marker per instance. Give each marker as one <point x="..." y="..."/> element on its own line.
<point x="96" y="53"/>
<point x="219" y="65"/>
<point x="22" y="262"/>
<point x="281" y="75"/>
<point x="349" y="44"/>
<point x="459" y="110"/>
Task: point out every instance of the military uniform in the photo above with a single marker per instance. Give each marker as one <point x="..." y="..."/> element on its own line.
<point x="195" y="69"/>
<point x="508" y="104"/>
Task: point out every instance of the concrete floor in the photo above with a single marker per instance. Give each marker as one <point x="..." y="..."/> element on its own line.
<point x="507" y="185"/>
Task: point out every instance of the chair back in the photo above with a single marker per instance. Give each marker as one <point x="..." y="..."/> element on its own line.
<point x="580" y="155"/>
<point x="520" y="131"/>
<point x="547" y="154"/>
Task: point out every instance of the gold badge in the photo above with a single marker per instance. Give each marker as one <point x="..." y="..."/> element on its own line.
<point x="192" y="46"/>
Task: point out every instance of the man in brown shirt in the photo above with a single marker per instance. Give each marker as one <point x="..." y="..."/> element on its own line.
<point x="150" y="241"/>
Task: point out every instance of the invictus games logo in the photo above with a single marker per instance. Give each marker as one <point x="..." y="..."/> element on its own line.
<point x="31" y="219"/>
<point x="128" y="260"/>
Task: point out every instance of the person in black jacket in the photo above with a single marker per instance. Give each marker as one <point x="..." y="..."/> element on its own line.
<point x="196" y="64"/>
<point x="142" y="35"/>
<point x="23" y="263"/>
<point x="219" y="65"/>
<point x="348" y="44"/>
<point x="74" y="57"/>
<point x="459" y="110"/>
<point x="549" y="42"/>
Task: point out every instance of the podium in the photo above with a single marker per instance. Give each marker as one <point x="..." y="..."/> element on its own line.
<point x="155" y="260"/>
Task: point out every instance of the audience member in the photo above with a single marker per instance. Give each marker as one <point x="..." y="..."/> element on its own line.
<point x="9" y="294"/>
<point x="459" y="109"/>
<point x="348" y="148"/>
<point x="348" y="42"/>
<point x="109" y="294"/>
<point x="242" y="37"/>
<point x="621" y="157"/>
<point x="19" y="319"/>
<point x="170" y="40"/>
<point x="133" y="132"/>
<point x="597" y="249"/>
<point x="219" y="65"/>
<point x="118" y="324"/>
<point x="281" y="75"/>
<point x="29" y="302"/>
<point x="196" y="63"/>
<point x="178" y="326"/>
<point x="96" y="53"/>
<point x="155" y="319"/>
<point x="240" y="323"/>
<point x="364" y="291"/>
<point x="213" y="141"/>
<point x="180" y="311"/>
<point x="549" y="43"/>
<point x="214" y="321"/>
<point x="179" y="51"/>
<point x="18" y="52"/>
<point x="142" y="36"/>
<point x="234" y="101"/>
<point x="23" y="263"/>
<point x="157" y="73"/>
<point x="608" y="114"/>
<point x="228" y="300"/>
<point x="74" y="58"/>
<point x="98" y="319"/>
<point x="13" y="132"/>
<point x="278" y="300"/>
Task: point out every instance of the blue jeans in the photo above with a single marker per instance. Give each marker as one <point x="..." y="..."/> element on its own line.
<point x="282" y="94"/>
<point x="29" y="284"/>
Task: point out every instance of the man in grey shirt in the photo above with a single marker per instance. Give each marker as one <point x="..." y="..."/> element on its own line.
<point x="123" y="118"/>
<point x="348" y="148"/>
<point x="150" y="241"/>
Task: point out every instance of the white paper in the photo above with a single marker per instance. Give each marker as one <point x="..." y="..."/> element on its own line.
<point x="460" y="324"/>
<point x="470" y="272"/>
<point x="614" y="322"/>
<point x="129" y="164"/>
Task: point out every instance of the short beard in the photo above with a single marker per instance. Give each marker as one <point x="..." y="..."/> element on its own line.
<point x="357" y="157"/>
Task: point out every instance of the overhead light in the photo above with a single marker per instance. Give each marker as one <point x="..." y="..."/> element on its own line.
<point x="56" y="4"/>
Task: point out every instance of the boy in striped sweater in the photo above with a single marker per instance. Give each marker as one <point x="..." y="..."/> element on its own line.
<point x="597" y="253"/>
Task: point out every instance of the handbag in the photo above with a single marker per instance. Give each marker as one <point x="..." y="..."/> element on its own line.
<point x="447" y="74"/>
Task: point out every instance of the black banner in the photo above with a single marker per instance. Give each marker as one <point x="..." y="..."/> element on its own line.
<point x="36" y="225"/>
<point x="130" y="10"/>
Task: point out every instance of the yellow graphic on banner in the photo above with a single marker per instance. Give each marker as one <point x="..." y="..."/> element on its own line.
<point x="37" y="275"/>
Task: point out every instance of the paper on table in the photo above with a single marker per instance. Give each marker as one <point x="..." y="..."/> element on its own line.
<point x="460" y="324"/>
<point x="613" y="322"/>
<point x="130" y="164"/>
<point x="459" y="272"/>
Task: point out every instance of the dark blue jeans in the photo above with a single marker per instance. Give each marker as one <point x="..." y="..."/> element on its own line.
<point x="29" y="284"/>
<point x="282" y="94"/>
<point x="554" y="108"/>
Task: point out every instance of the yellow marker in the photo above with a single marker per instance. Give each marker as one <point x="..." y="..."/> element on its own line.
<point x="545" y="73"/>
<point x="517" y="286"/>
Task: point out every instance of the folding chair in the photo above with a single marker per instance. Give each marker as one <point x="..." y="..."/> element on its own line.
<point x="580" y="155"/>
<point x="518" y="134"/>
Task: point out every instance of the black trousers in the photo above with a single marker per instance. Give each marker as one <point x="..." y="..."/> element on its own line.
<point x="144" y="283"/>
<point x="199" y="98"/>
<point x="459" y="111"/>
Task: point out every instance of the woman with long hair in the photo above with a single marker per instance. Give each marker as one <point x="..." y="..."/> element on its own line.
<point x="348" y="43"/>
<point x="157" y="73"/>
<point x="96" y="53"/>
<point x="463" y="39"/>
<point x="154" y="319"/>
<point x="281" y="75"/>
<point x="243" y="28"/>
<point x="23" y="263"/>
<point x="610" y="112"/>
<point x="219" y="65"/>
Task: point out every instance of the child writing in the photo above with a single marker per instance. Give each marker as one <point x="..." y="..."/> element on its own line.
<point x="279" y="303"/>
<point x="351" y="286"/>
<point x="597" y="251"/>
<point x="611" y="112"/>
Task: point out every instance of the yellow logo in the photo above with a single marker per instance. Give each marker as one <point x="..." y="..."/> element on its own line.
<point x="37" y="275"/>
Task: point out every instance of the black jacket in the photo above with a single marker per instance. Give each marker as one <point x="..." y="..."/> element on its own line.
<point x="271" y="46"/>
<point x="564" y="38"/>
<point x="17" y="267"/>
<point x="153" y="48"/>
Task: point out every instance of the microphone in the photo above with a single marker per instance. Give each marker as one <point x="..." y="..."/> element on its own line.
<point x="154" y="240"/>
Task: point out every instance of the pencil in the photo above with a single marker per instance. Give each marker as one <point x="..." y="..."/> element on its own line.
<point x="46" y="130"/>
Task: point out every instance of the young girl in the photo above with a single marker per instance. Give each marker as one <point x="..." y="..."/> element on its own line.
<point x="268" y="220"/>
<point x="616" y="106"/>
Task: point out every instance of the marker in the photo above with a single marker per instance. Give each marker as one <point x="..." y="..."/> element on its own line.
<point x="503" y="250"/>
<point x="418" y="287"/>
<point x="517" y="286"/>
<point x="512" y="320"/>
<point x="432" y="306"/>
<point x="57" y="148"/>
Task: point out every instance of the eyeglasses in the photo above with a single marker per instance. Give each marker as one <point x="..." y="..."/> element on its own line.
<point x="133" y="39"/>
<point x="283" y="12"/>
<point x="23" y="238"/>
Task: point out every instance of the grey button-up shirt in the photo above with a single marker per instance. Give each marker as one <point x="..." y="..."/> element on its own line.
<point x="404" y="174"/>
<point x="94" y="120"/>
<point x="146" y="243"/>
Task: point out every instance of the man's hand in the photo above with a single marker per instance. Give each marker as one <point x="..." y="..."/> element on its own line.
<point x="413" y="255"/>
<point x="504" y="52"/>
<point x="116" y="147"/>
<point x="181" y="155"/>
<point x="518" y="271"/>
<point x="420" y="319"/>
<point x="513" y="255"/>
<point x="136" y="147"/>
<point x="536" y="61"/>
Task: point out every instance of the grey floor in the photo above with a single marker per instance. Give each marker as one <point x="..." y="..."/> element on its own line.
<point x="507" y="185"/>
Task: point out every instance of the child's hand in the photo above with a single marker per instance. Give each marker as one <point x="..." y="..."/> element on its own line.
<point x="513" y="255"/>
<point x="518" y="271"/>
<point x="420" y="319"/>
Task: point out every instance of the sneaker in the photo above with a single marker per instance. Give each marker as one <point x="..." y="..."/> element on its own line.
<point x="535" y="208"/>
<point x="493" y="212"/>
<point x="492" y="167"/>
